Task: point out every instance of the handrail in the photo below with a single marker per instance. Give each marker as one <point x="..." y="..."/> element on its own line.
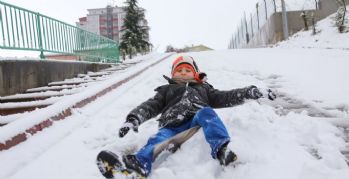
<point x="23" y="29"/>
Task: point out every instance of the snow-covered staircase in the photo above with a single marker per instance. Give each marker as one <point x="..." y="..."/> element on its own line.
<point x="42" y="97"/>
<point x="42" y="107"/>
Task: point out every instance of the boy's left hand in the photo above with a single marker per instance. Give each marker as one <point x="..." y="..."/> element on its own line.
<point x="254" y="92"/>
<point x="271" y="95"/>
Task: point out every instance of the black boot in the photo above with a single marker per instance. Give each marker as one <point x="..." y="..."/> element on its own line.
<point x="110" y="164"/>
<point x="225" y="155"/>
<point x="133" y="164"/>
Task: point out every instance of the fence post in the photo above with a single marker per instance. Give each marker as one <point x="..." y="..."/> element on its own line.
<point x="252" y="25"/>
<point x="257" y="14"/>
<point x="232" y="42"/>
<point x="241" y="32"/>
<point x="239" y="37"/>
<point x="235" y="46"/>
<point x="236" y="43"/>
<point x="274" y="6"/>
<point x="266" y="10"/>
<point x="304" y="16"/>
<point x="313" y="22"/>
<point x="247" y="35"/>
<point x="38" y="27"/>
<point x="284" y="19"/>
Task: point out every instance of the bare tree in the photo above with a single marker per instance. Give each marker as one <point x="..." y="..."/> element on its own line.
<point x="340" y="16"/>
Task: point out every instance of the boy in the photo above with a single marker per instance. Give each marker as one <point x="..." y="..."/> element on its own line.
<point x="185" y="102"/>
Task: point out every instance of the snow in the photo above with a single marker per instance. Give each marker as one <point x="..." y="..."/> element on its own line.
<point x="269" y="144"/>
<point x="297" y="136"/>
<point x="18" y="55"/>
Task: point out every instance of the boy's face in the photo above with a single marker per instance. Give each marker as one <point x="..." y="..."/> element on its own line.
<point x="183" y="73"/>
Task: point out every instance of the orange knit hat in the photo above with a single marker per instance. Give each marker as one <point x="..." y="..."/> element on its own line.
<point x="185" y="61"/>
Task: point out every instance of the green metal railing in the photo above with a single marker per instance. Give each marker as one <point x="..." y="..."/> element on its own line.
<point x="22" y="29"/>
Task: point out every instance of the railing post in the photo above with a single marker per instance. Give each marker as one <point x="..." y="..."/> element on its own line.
<point x="284" y="19"/>
<point x="38" y="28"/>
<point x="2" y="27"/>
<point x="7" y="27"/>
<point x="13" y="29"/>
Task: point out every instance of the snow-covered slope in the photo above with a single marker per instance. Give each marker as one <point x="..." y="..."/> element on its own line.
<point x="327" y="36"/>
<point x="293" y="137"/>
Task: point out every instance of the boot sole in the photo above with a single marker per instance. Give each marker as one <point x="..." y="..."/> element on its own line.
<point x="110" y="166"/>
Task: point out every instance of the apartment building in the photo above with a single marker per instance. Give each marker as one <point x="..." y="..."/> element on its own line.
<point x="106" y="21"/>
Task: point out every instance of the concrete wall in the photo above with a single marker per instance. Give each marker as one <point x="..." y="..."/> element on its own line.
<point x="18" y="75"/>
<point x="272" y="31"/>
<point x="328" y="7"/>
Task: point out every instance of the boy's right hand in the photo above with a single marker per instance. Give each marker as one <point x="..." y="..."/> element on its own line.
<point x="127" y="126"/>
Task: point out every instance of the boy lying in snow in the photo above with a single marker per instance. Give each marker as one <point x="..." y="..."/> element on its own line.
<point x="185" y="102"/>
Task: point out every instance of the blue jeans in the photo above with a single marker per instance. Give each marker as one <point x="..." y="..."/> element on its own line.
<point x="214" y="130"/>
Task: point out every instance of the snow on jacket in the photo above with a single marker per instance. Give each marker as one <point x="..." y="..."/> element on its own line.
<point x="178" y="102"/>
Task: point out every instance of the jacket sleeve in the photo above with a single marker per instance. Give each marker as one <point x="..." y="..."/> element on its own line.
<point x="150" y="108"/>
<point x="221" y="99"/>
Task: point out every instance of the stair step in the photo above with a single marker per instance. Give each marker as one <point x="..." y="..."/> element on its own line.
<point x="60" y="83"/>
<point x="35" y="96"/>
<point x="97" y="74"/>
<point x="20" y="109"/>
<point x="27" y="99"/>
<point x="52" y="88"/>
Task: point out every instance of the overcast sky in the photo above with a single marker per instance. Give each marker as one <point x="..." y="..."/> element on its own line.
<point x="175" y="22"/>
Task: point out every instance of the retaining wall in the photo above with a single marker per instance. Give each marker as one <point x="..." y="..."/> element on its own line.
<point x="18" y="75"/>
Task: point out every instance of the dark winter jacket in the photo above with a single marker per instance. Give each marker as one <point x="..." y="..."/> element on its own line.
<point x="178" y="103"/>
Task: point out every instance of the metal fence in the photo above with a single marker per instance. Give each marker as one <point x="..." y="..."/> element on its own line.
<point x="252" y="22"/>
<point x="22" y="29"/>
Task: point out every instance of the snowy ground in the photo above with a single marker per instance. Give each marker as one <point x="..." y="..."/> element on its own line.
<point x="301" y="135"/>
<point x="293" y="137"/>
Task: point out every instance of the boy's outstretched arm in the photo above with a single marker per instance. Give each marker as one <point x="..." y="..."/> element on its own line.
<point x="147" y="110"/>
<point x="221" y="99"/>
